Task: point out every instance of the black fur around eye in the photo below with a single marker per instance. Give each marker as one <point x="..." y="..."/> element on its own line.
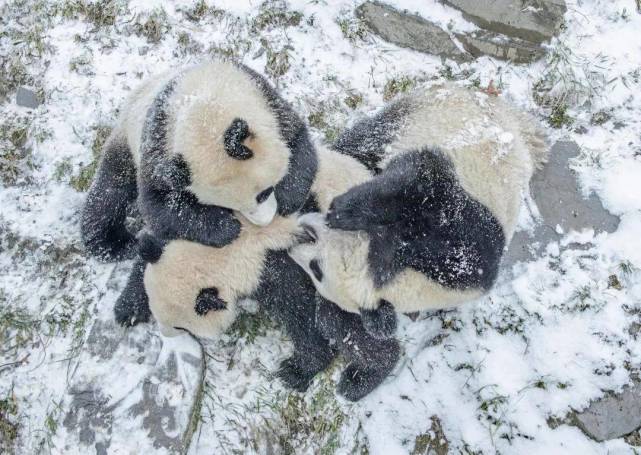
<point x="263" y="195"/>
<point x="233" y="139"/>
<point x="316" y="270"/>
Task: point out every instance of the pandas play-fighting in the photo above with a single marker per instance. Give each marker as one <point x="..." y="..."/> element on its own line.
<point x="210" y="183"/>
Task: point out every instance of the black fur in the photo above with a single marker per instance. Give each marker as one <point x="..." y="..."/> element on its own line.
<point x="170" y="210"/>
<point x="132" y="306"/>
<point x="208" y="300"/>
<point x="316" y="270"/>
<point x="418" y="216"/>
<point x="150" y="248"/>
<point x="264" y="195"/>
<point x="381" y="322"/>
<point x="293" y="307"/>
<point x="367" y="138"/>
<point x="233" y="140"/>
<point x="370" y="359"/>
<point x="111" y="197"/>
<point x="293" y="190"/>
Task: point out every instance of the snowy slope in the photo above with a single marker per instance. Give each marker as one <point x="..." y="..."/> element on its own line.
<point x="496" y="376"/>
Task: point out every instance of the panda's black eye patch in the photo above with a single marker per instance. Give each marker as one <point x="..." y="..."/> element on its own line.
<point x="208" y="300"/>
<point x="316" y="270"/>
<point x="263" y="195"/>
<point x="233" y="139"/>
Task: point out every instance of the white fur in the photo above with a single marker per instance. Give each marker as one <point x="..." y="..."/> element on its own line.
<point x="206" y="100"/>
<point x="494" y="150"/>
<point x="173" y="283"/>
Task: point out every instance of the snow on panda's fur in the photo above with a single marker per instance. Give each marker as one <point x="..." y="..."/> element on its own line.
<point x="191" y="146"/>
<point x="430" y="229"/>
<point x="196" y="288"/>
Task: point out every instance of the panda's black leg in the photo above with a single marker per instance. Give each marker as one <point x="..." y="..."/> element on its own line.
<point x="370" y="360"/>
<point x="381" y="322"/>
<point x="312" y="353"/>
<point x="132" y="306"/>
<point x="288" y="296"/>
<point x="112" y="194"/>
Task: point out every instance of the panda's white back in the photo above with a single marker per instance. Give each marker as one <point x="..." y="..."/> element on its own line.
<point x="493" y="147"/>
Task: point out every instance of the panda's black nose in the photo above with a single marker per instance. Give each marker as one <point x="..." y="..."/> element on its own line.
<point x="263" y="195"/>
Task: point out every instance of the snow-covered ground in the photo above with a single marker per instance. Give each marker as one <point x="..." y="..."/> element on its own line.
<point x="496" y="376"/>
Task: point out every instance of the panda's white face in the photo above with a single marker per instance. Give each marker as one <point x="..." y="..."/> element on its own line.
<point x="234" y="162"/>
<point x="336" y="262"/>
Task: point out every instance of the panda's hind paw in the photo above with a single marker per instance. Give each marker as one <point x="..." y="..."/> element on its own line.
<point x="380" y="323"/>
<point x="293" y="375"/>
<point x="357" y="382"/>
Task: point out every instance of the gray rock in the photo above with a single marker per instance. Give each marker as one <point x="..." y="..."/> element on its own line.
<point x="501" y="47"/>
<point x="531" y="20"/>
<point x="408" y="30"/>
<point x="560" y="202"/>
<point x="612" y="416"/>
<point x="27" y="98"/>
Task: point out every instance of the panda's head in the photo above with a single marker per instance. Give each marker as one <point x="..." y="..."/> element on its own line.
<point x="234" y="161"/>
<point x="334" y="260"/>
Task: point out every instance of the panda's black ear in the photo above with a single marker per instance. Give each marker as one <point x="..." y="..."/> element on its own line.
<point x="233" y="139"/>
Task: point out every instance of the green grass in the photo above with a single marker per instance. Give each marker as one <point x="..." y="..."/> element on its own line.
<point x="559" y="116"/>
<point x="303" y="423"/>
<point x="272" y="15"/>
<point x="81" y="181"/>
<point x="396" y="86"/>
<point x="104" y="13"/>
<point x="153" y="27"/>
<point x="432" y="441"/>
<point x="8" y="423"/>
<point x="318" y="119"/>
<point x="353" y="100"/>
<point x="353" y="30"/>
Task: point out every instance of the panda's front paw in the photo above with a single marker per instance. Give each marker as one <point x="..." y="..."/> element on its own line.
<point x="293" y="375"/>
<point x="356" y="382"/>
<point x="347" y="215"/>
<point x="221" y="233"/>
<point x="380" y="323"/>
<point x="131" y="310"/>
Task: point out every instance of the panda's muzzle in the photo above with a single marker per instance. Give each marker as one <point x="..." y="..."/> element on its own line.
<point x="265" y="212"/>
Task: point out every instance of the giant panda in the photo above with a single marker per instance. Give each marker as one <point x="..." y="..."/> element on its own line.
<point x="429" y="230"/>
<point x="190" y="147"/>
<point x="195" y="288"/>
<point x="219" y="138"/>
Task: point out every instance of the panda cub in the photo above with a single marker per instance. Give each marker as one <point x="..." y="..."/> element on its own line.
<point x="218" y="139"/>
<point x="196" y="288"/>
<point x="429" y="230"/>
<point x="191" y="147"/>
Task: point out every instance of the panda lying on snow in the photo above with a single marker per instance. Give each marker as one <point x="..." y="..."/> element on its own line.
<point x="218" y="138"/>
<point x="196" y="288"/>
<point x="191" y="147"/>
<point x="429" y="231"/>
